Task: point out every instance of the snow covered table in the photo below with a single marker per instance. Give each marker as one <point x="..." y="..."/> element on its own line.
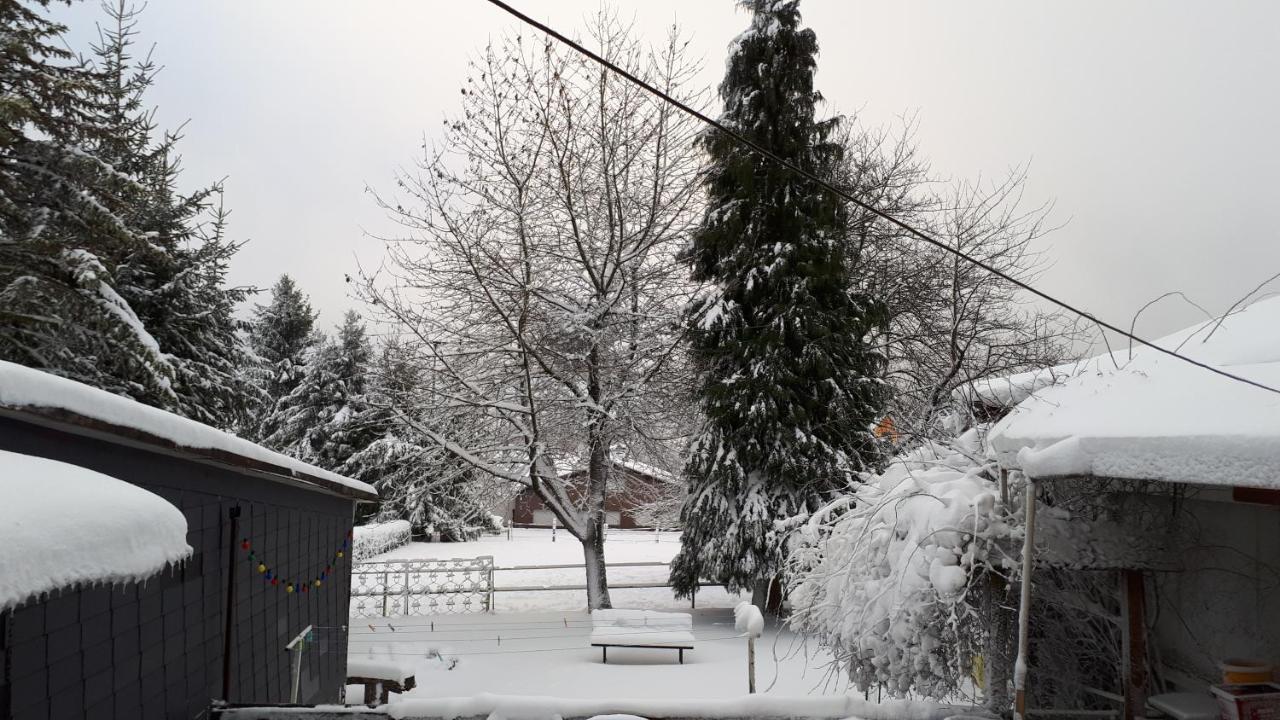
<point x="641" y="629"/>
<point x="380" y="676"/>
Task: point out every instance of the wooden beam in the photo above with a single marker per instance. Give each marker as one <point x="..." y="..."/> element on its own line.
<point x="1133" y="658"/>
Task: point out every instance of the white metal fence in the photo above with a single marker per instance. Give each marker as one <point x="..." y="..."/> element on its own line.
<point x="422" y="587"/>
<point x="462" y="585"/>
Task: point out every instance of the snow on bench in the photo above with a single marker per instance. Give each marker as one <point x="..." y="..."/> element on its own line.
<point x="380" y="673"/>
<point x="641" y="629"/>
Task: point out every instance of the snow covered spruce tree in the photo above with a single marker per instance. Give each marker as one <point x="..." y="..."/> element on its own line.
<point x="59" y="302"/>
<point x="107" y="275"/>
<point x="281" y="334"/>
<point x="313" y="422"/>
<point x="539" y="274"/>
<point x="176" y="280"/>
<point x="417" y="480"/>
<point x="790" y="384"/>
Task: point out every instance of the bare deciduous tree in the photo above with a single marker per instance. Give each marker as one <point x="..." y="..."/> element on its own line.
<point x="538" y="269"/>
<point x="951" y="322"/>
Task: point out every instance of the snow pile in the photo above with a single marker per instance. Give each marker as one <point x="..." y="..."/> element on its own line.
<point x="62" y="525"/>
<point x="375" y="539"/>
<point x="23" y="387"/>
<point x="748" y="620"/>
<point x="515" y="707"/>
<point x="883" y="577"/>
<point x="1158" y="418"/>
<point x="641" y="627"/>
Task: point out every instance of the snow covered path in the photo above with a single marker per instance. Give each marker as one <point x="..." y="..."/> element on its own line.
<point x="549" y="654"/>
<point x="529" y="546"/>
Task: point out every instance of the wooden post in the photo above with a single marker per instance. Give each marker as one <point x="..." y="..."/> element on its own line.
<point x="1133" y="664"/>
<point x="751" y="665"/>
<point x="1024" y="607"/>
<point x="229" y="612"/>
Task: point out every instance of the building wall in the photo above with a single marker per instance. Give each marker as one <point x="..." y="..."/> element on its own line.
<point x="1225" y="600"/>
<point x="529" y="509"/>
<point x="155" y="649"/>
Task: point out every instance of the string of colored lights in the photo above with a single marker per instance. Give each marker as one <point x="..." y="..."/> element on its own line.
<point x="272" y="577"/>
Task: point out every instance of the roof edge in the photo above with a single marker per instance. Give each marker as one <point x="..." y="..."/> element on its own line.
<point x="79" y="424"/>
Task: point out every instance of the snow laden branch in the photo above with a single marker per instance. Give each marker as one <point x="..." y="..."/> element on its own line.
<point x="536" y="274"/>
<point x="893" y="579"/>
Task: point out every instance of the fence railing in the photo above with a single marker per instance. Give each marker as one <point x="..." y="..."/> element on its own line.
<point x="431" y="587"/>
<point x="422" y="587"/>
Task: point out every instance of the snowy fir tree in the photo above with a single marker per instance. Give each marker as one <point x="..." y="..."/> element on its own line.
<point x="281" y="334"/>
<point x="790" y="385"/>
<point x="314" y="422"/>
<point x="106" y="275"/>
<point x="58" y="299"/>
<point x="417" y="480"/>
<point x="175" y="281"/>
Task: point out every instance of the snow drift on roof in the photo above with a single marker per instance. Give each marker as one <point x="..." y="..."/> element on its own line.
<point x="62" y="525"/>
<point x="1159" y="418"/>
<point x="22" y="387"/>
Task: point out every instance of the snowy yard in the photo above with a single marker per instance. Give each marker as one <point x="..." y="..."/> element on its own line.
<point x="549" y="653"/>
<point x="529" y="546"/>
<point x="538" y="643"/>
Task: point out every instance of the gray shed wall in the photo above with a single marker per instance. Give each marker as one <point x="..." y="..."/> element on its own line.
<point x="155" y="649"/>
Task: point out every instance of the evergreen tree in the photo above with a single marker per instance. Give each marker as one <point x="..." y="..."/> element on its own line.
<point x="106" y="273"/>
<point x="790" y="386"/>
<point x="60" y="232"/>
<point x="318" y="420"/>
<point x="281" y="334"/>
<point x="417" y="480"/>
<point x="175" y="281"/>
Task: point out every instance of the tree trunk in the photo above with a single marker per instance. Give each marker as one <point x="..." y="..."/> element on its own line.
<point x="597" y="583"/>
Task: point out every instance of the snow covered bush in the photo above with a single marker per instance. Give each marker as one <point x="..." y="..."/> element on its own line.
<point x="893" y="577"/>
<point x="370" y="540"/>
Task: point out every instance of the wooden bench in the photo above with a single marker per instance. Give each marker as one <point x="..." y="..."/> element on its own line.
<point x="647" y="629"/>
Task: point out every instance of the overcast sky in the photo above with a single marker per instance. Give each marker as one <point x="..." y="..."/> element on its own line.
<point x="1151" y="125"/>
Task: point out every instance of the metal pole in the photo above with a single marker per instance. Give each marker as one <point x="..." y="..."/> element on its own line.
<point x="1024" y="609"/>
<point x="297" y="672"/>
<point x="229" y="611"/>
<point x="296" y="646"/>
<point x="386" y="591"/>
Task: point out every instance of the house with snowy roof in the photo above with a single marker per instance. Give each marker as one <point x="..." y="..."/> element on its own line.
<point x="150" y="565"/>
<point x="639" y="496"/>
<point x="1175" y="472"/>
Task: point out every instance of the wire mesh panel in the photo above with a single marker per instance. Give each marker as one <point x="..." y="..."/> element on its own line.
<point x="422" y="587"/>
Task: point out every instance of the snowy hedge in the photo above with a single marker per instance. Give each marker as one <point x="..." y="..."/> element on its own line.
<point x="887" y="578"/>
<point x="370" y="540"/>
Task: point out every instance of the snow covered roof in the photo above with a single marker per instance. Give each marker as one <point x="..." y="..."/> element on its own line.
<point x="1005" y="392"/>
<point x="1155" y="417"/>
<point x="27" y="392"/>
<point x="62" y="525"/>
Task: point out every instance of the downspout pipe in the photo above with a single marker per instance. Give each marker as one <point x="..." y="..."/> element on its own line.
<point x="1024" y="607"/>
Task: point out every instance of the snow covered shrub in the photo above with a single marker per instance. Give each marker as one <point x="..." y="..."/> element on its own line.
<point x="370" y="540"/>
<point x="895" y="578"/>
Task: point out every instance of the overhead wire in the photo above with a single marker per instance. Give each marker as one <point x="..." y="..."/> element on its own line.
<point x="901" y="224"/>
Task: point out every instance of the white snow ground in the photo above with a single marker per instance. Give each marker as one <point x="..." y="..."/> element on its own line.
<point x="530" y="546"/>
<point x="549" y="654"/>
<point x="544" y="646"/>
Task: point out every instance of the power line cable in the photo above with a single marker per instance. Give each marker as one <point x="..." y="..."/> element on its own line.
<point x="765" y="152"/>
